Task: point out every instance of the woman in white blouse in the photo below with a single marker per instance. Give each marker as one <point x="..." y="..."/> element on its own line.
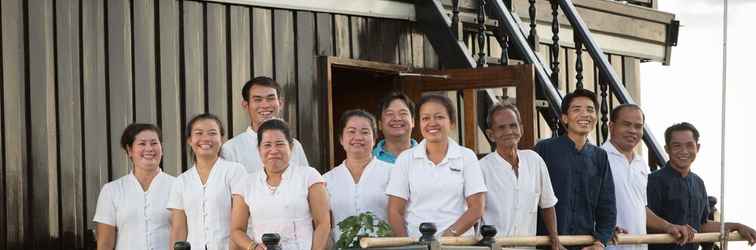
<point x="284" y="198"/>
<point x="130" y="211"/>
<point x="437" y="181"/>
<point x="357" y="185"/>
<point x="200" y="200"/>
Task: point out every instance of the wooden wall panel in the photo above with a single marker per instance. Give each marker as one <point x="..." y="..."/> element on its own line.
<point x="217" y="66"/>
<point x="16" y="174"/>
<point x="170" y="87"/>
<point x="69" y="123"/>
<point x="119" y="67"/>
<point x="194" y="58"/>
<point x="307" y="97"/>
<point x="94" y="89"/>
<point x="43" y="140"/>
<point x="359" y="35"/>
<point x="285" y="65"/>
<point x="241" y="64"/>
<point x="145" y="85"/>
<point x="341" y="30"/>
<point x="262" y="42"/>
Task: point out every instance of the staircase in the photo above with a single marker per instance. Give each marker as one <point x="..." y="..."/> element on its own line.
<point x="444" y="30"/>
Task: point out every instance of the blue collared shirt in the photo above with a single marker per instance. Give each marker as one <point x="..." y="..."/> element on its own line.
<point x="679" y="200"/>
<point x="583" y="183"/>
<point x="380" y="151"/>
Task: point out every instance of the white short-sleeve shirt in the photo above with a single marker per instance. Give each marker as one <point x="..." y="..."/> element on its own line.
<point x="435" y="193"/>
<point x="139" y="216"/>
<point x="208" y="206"/>
<point x="284" y="210"/>
<point x="243" y="149"/>
<point x="349" y="198"/>
<point x="512" y="201"/>
<point x="630" y="181"/>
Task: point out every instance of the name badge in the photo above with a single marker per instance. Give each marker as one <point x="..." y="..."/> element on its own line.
<point x="455" y="169"/>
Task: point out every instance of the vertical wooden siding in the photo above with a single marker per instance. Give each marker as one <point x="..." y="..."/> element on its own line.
<point x="76" y="72"/>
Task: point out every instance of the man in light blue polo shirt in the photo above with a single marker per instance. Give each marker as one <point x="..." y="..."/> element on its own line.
<point x="396" y="122"/>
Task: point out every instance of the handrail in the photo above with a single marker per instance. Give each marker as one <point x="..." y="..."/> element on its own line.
<point x="566" y="240"/>
<point x="597" y="54"/>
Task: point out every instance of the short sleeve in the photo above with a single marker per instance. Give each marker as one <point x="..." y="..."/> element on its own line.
<point x="176" y="199"/>
<point x="298" y="154"/>
<point x="398" y="184"/>
<point x="312" y="176"/>
<point x="654" y="196"/>
<point x="548" y="199"/>
<point x="105" y="212"/>
<point x="236" y="174"/>
<point x="474" y="182"/>
<point x="240" y="187"/>
<point x="705" y="212"/>
<point x="227" y="152"/>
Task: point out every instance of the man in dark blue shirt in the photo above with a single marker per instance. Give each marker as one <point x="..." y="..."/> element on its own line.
<point x="580" y="173"/>
<point x="679" y="195"/>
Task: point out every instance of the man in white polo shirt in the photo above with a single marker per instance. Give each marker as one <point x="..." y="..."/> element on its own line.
<point x="630" y="175"/>
<point x="262" y="101"/>
<point x="517" y="180"/>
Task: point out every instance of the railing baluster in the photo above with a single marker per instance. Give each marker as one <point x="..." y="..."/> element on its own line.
<point x="604" y="109"/>
<point x="578" y="62"/>
<point x="481" y="33"/>
<point x="532" y="34"/>
<point x="455" y="18"/>
<point x="555" y="45"/>
<point x="503" y="40"/>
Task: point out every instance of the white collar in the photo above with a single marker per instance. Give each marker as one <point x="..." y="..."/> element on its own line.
<point x="453" y="150"/>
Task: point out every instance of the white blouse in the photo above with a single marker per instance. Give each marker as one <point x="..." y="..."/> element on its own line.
<point x="208" y="206"/>
<point x="435" y="193"/>
<point x="284" y="209"/>
<point x="243" y="149"/>
<point x="139" y="216"/>
<point x="512" y="201"/>
<point x="349" y="198"/>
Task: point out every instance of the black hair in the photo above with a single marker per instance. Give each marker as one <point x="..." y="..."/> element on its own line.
<point x="683" y="126"/>
<point x="261" y="81"/>
<point x="614" y="115"/>
<point x="357" y="113"/>
<point x="200" y="117"/>
<point x="575" y="94"/>
<point x="131" y="131"/>
<point x="440" y="99"/>
<point x="499" y="107"/>
<point x="274" y="124"/>
<point x="397" y="96"/>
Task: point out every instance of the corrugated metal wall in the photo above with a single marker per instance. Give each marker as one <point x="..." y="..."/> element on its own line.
<point x="76" y="72"/>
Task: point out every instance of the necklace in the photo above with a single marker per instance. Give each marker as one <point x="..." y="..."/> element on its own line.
<point x="271" y="189"/>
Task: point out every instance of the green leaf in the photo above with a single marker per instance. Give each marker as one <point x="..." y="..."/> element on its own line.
<point x="362" y="225"/>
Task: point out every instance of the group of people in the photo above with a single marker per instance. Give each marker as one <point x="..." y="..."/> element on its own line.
<point x="260" y="181"/>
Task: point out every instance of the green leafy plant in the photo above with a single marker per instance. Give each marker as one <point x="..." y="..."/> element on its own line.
<point x="362" y="225"/>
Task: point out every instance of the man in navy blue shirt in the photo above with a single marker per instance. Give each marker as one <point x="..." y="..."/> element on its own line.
<point x="679" y="195"/>
<point x="580" y="174"/>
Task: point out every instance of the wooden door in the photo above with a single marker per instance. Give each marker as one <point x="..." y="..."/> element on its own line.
<point x="414" y="84"/>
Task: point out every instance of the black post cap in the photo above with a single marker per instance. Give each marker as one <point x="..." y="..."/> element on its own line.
<point x="271" y="240"/>
<point x="488" y="232"/>
<point x="427" y="230"/>
<point x="182" y="245"/>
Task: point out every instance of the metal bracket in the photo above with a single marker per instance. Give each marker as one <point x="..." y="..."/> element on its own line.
<point x="541" y="103"/>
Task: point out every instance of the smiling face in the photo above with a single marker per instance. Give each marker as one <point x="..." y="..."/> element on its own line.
<point x="263" y="104"/>
<point x="396" y="120"/>
<point x="581" y="116"/>
<point x="435" y="123"/>
<point x="505" y="129"/>
<point x="357" y="137"/>
<point x="146" y="151"/>
<point x="682" y="149"/>
<point x="275" y="151"/>
<point x="627" y="130"/>
<point x="205" y="138"/>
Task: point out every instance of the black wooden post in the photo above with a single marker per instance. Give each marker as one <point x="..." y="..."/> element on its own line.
<point x="578" y="62"/>
<point x="182" y="245"/>
<point x="604" y="110"/>
<point x="489" y="233"/>
<point x="427" y="230"/>
<point x="532" y="36"/>
<point x="271" y="241"/>
<point x="555" y="43"/>
<point x="455" y="18"/>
